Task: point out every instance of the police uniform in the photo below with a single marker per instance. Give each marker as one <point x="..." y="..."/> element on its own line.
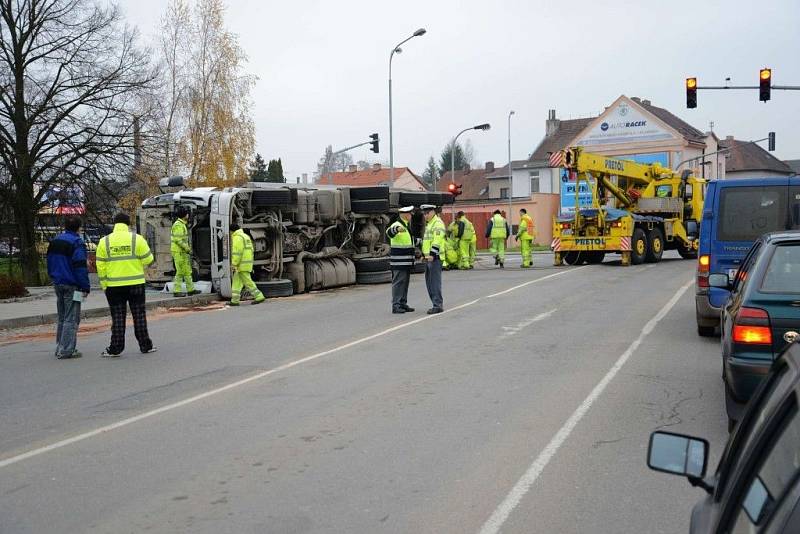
<point x="401" y="260"/>
<point x="433" y="245"/>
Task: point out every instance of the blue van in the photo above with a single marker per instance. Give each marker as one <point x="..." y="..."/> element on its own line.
<point x="735" y="214"/>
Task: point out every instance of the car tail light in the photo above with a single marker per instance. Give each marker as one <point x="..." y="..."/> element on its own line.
<point x="704" y="263"/>
<point x="752" y="327"/>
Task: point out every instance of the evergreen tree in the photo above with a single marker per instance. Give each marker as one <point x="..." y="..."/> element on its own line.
<point x="275" y="172"/>
<point x="258" y="169"/>
<point x="459" y="160"/>
<point x="431" y="173"/>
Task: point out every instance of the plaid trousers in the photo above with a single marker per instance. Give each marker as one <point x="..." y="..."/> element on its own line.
<point x="119" y="298"/>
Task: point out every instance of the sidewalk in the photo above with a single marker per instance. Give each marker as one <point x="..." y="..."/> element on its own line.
<point x="40" y="307"/>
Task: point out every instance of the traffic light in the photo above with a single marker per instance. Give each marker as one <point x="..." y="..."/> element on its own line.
<point x="771" y="141"/>
<point x="764" y="84"/>
<point x="691" y="93"/>
<point x="455" y="189"/>
<point x="374" y="143"/>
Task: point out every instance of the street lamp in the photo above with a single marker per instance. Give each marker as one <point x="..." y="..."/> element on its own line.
<point x="510" y="176"/>
<point x="482" y="127"/>
<point x="419" y="33"/>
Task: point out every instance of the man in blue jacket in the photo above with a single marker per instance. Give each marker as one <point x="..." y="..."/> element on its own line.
<point x="67" y="268"/>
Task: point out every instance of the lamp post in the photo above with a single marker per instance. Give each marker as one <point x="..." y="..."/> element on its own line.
<point x="420" y="32"/>
<point x="510" y="178"/>
<point x="482" y="127"/>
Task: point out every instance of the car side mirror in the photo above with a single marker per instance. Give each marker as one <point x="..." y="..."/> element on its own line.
<point x="719" y="280"/>
<point x="692" y="230"/>
<point x="677" y="454"/>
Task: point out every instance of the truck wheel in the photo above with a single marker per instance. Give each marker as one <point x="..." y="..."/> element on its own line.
<point x="596" y="258"/>
<point x="381" y="277"/>
<point x="687" y="253"/>
<point x="573" y="258"/>
<point x="276" y="288"/>
<point x="655" y="246"/>
<point x="371" y="265"/>
<point x="638" y="247"/>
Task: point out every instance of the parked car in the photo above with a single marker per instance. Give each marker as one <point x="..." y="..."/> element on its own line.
<point x="756" y="487"/>
<point x="761" y="315"/>
<point x="735" y="214"/>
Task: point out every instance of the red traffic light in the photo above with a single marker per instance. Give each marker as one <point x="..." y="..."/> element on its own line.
<point x="455" y="189"/>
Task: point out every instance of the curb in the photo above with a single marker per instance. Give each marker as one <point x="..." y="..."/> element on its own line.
<point x="51" y="318"/>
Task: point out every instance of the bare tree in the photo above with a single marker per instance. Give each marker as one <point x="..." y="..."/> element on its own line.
<point x="70" y="74"/>
<point x="175" y="28"/>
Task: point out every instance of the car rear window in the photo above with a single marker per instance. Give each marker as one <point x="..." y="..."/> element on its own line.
<point x="748" y="212"/>
<point x="783" y="272"/>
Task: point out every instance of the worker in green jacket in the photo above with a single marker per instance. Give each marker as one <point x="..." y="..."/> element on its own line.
<point x="525" y="235"/>
<point x="182" y="253"/>
<point x="242" y="266"/>
<point x="465" y="234"/>
<point x="497" y="231"/>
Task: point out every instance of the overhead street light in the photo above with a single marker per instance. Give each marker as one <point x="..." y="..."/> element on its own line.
<point x="396" y="50"/>
<point x="510" y="174"/>
<point x="483" y="127"/>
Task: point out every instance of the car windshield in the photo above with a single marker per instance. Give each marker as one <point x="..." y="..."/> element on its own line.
<point x="783" y="272"/>
<point x="748" y="212"/>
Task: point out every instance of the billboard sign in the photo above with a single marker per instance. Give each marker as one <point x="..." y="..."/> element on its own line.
<point x="624" y="124"/>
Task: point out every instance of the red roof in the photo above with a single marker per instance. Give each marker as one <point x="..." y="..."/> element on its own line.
<point x="369" y="177"/>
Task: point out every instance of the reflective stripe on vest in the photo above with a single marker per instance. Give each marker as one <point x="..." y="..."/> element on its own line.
<point x="130" y="257"/>
<point x="402" y="248"/>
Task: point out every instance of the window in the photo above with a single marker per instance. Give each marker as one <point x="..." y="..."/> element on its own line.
<point x="534" y="175"/>
<point x="503" y="192"/>
<point x="780" y="466"/>
<point x="747" y="264"/>
<point x="783" y="271"/>
<point x="748" y="212"/>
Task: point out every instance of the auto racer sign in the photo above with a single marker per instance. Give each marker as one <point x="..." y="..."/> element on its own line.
<point x="624" y="124"/>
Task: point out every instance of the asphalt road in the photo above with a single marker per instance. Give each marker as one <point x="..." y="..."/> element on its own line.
<point x="525" y="408"/>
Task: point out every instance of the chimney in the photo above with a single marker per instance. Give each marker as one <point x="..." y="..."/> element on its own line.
<point x="305" y="177"/>
<point x="490" y="166"/>
<point x="646" y="102"/>
<point x="352" y="168"/>
<point x="376" y="166"/>
<point x="636" y="99"/>
<point x="552" y="124"/>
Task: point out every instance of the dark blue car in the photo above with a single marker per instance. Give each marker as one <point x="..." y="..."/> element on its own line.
<point x="735" y="214"/>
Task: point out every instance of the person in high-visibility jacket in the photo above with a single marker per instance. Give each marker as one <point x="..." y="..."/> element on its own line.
<point x="181" y="253"/>
<point x="242" y="266"/>
<point x="450" y="258"/>
<point x="473" y="248"/>
<point x="121" y="258"/>
<point x="525" y="235"/>
<point x="433" y="244"/>
<point x="465" y="233"/>
<point x="401" y="259"/>
<point x="497" y="231"/>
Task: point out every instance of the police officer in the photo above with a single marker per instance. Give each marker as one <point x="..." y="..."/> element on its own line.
<point x="525" y="235"/>
<point x="497" y="231"/>
<point x="432" y="247"/>
<point x="401" y="259"/>
<point x="242" y="266"/>
<point x="121" y="258"/>
<point x="181" y="253"/>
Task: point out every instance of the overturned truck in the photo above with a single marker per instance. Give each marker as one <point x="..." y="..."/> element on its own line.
<point x="305" y="238"/>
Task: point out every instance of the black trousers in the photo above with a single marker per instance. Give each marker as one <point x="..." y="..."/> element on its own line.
<point x="119" y="298"/>
<point x="400" y="281"/>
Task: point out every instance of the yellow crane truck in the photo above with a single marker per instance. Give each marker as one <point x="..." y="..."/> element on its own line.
<point x="636" y="211"/>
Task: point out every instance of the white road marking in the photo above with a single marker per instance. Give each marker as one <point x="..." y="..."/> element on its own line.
<point x="263" y="374"/>
<point x="509" y="331"/>
<point x="523" y="485"/>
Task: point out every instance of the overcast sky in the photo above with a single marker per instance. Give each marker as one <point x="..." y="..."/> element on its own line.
<point x="323" y="69"/>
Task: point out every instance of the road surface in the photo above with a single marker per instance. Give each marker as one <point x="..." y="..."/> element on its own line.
<point x="526" y="407"/>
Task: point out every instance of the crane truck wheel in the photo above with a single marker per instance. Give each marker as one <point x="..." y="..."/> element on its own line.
<point x="596" y="257"/>
<point x="638" y="247"/>
<point x="655" y="248"/>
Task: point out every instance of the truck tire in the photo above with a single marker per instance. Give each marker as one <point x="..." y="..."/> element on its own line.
<point x="638" y="247"/>
<point x="687" y="253"/>
<point x="276" y="197"/>
<point x="380" y="277"/>
<point x="595" y="258"/>
<point x="369" y="193"/>
<point x="416" y="198"/>
<point x="369" y="206"/>
<point x="574" y="258"/>
<point x="371" y="265"/>
<point x="276" y="288"/>
<point x="655" y="246"/>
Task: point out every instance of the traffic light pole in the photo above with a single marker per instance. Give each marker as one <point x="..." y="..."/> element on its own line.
<point x="782" y="87"/>
<point x="342" y="151"/>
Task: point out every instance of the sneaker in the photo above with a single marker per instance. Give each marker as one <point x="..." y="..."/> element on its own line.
<point x="257" y="302"/>
<point x="502" y="265"/>
<point x="496" y="260"/>
<point x="75" y="354"/>
<point x="106" y="354"/>
<point x="150" y="350"/>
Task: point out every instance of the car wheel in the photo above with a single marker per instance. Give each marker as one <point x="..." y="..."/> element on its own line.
<point x="706" y="331"/>
<point x="371" y="265"/>
<point x="638" y="247"/>
<point x="381" y="277"/>
<point x="276" y="288"/>
<point x="655" y="246"/>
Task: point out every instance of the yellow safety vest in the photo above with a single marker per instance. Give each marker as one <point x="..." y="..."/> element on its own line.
<point x="498" y="227"/>
<point x="469" y="229"/>
<point x="402" y="247"/>
<point x="526" y="231"/>
<point x="242" y="251"/>
<point x="180" y="239"/>
<point x="121" y="258"/>
<point x="433" y="242"/>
